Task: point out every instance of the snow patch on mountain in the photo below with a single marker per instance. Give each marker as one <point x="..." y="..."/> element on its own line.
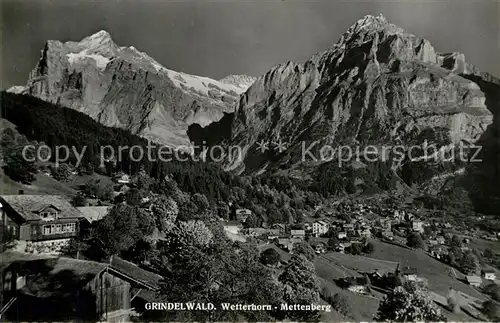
<point x="240" y="81"/>
<point x="100" y="61"/>
<point x="17" y="89"/>
<point x="201" y="84"/>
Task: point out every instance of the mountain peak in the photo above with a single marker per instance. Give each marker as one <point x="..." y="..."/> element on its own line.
<point x="99" y="41"/>
<point x="100" y="35"/>
<point x="371" y="19"/>
<point x="370" y="24"/>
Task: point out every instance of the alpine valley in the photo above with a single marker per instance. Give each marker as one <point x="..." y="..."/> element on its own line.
<point x="318" y="207"/>
<point x="378" y="85"/>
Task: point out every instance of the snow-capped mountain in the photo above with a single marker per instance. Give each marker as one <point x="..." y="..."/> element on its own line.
<point x="124" y="87"/>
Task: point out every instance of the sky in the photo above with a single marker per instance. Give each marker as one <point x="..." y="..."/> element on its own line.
<point x="217" y="38"/>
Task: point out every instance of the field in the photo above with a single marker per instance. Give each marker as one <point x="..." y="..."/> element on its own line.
<point x="361" y="264"/>
<point x="46" y="185"/>
<point x="481" y="245"/>
<point x="363" y="308"/>
<point x="42" y="185"/>
<point x="440" y="276"/>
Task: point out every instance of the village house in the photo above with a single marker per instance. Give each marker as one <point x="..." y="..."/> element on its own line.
<point x="273" y="234"/>
<point x="298" y="234"/>
<point x="474" y="280"/>
<point x="319" y="228"/>
<point x="341" y="247"/>
<point x="440" y="239"/>
<point x="399" y="215"/>
<point x="280" y="227"/>
<point x="357" y="285"/>
<point x="348" y="227"/>
<point x="432" y="242"/>
<point x="408" y="273"/>
<point x="70" y="289"/>
<point x="438" y="252"/>
<point x="121" y="178"/>
<point x="256" y="232"/>
<point x="51" y="288"/>
<point x="319" y="247"/>
<point x="94" y="213"/>
<point x="285" y="244"/>
<point x="417" y="226"/>
<point x="386" y="224"/>
<point x="342" y="235"/>
<point x="243" y="214"/>
<point x="388" y="235"/>
<point x="13" y="278"/>
<point x="41" y="219"/>
<point x="365" y="232"/>
<point x="488" y="274"/>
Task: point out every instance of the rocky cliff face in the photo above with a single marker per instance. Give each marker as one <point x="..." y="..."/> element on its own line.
<point x="378" y="85"/>
<point x="123" y="87"/>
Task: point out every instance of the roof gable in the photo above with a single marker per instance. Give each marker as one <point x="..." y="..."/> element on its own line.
<point x="28" y="206"/>
<point x="47" y="207"/>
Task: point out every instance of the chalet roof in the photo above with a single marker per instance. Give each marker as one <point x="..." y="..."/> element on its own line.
<point x="27" y="205"/>
<point x="46" y="206"/>
<point x="474" y="279"/>
<point x="94" y="213"/>
<point x="61" y="277"/>
<point x="79" y="268"/>
<point x="257" y="230"/>
<point x="136" y="273"/>
<point x="409" y="271"/>
<point x="273" y="231"/>
<point x="9" y="257"/>
<point x="284" y="241"/>
<point x="488" y="271"/>
<point x="357" y="281"/>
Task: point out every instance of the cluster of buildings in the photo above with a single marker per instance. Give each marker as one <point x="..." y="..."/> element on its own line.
<point x="38" y="281"/>
<point x="381" y="280"/>
<point x="487" y="275"/>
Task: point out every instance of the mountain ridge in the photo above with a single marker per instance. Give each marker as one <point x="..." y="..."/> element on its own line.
<point x="124" y="87"/>
<point x="378" y="85"/>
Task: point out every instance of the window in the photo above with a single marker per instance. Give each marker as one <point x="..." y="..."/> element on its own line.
<point x="58" y="228"/>
<point x="72" y="227"/>
<point x="46" y="229"/>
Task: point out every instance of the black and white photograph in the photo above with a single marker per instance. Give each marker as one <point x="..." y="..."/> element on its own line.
<point x="249" y="161"/>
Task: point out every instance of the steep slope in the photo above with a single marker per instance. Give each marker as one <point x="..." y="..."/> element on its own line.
<point x="377" y="86"/>
<point x="123" y="87"/>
